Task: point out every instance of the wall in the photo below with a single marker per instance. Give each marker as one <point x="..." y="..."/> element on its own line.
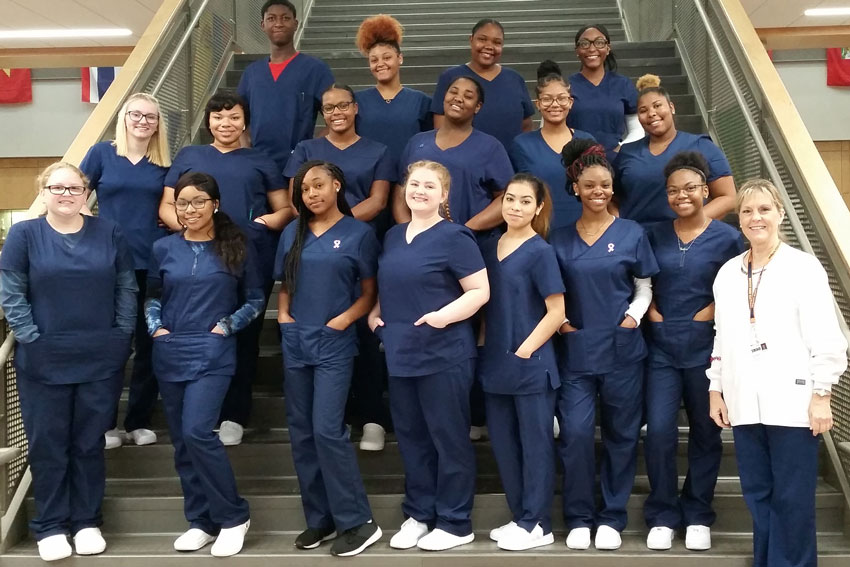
<point x="836" y="156"/>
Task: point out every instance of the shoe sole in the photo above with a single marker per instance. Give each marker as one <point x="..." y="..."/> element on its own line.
<point x="411" y="546"/>
<point x="328" y="537"/>
<point x="694" y="548"/>
<point x="371" y="446"/>
<point x="191" y="549"/>
<point x="547" y="539"/>
<point x="214" y="554"/>
<point x="463" y="541"/>
<point x="375" y="537"/>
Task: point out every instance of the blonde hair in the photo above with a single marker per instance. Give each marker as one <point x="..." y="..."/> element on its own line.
<point x="443" y="176"/>
<point x="158" y="151"/>
<point x="42" y="177"/>
<point x="763" y="186"/>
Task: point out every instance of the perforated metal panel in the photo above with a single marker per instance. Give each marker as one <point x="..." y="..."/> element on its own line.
<point x="14" y="435"/>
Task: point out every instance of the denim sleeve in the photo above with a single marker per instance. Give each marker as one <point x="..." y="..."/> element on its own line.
<point x="255" y="303"/>
<point x="13" y="298"/>
<point x="153" y="305"/>
<point x="126" y="289"/>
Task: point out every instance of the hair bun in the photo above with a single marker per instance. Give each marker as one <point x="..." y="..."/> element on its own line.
<point x="648" y="81"/>
<point x="382" y="28"/>
<point x="547" y="68"/>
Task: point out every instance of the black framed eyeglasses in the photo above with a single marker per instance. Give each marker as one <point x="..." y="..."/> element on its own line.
<point x="598" y="43"/>
<point x="342" y="106"/>
<point x="73" y="190"/>
<point x="687" y="190"/>
<point x="137" y="116"/>
<point x="197" y="203"/>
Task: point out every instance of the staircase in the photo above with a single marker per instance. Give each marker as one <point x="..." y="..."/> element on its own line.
<point x="143" y="507"/>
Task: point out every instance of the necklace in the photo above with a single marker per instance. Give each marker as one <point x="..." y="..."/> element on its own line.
<point x="682" y="247"/>
<point x="591" y="234"/>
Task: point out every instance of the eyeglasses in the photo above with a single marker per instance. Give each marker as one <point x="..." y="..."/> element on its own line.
<point x="197" y="203"/>
<point x="598" y="43"/>
<point x="137" y="116"/>
<point x="563" y="100"/>
<point x="687" y="190"/>
<point x="73" y="190"/>
<point x="342" y="106"/>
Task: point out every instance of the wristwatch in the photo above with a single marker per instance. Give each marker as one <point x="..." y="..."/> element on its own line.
<point x="821" y="392"/>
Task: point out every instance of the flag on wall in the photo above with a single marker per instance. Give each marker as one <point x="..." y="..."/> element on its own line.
<point x="96" y="80"/>
<point x="838" y="66"/>
<point x="15" y="86"/>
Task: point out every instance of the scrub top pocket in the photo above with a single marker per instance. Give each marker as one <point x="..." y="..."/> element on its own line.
<point x="183" y="357"/>
<point x="681" y="344"/>
<point x="511" y="375"/>
<point x="629" y="345"/>
<point x="74" y="357"/>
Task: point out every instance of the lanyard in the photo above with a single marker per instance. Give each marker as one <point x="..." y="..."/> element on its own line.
<point x="753" y="292"/>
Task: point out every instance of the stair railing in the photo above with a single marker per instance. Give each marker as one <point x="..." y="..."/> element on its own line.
<point x="752" y="118"/>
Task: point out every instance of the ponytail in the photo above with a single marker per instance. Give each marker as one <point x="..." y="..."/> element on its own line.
<point x="540" y="222"/>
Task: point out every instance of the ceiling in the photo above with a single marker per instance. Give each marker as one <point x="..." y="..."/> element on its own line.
<point x="136" y="14"/>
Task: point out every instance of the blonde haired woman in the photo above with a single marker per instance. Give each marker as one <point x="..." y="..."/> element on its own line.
<point x="128" y="175"/>
<point x="778" y="350"/>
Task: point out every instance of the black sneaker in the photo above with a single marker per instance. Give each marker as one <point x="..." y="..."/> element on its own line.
<point x="312" y="538"/>
<point x="355" y="540"/>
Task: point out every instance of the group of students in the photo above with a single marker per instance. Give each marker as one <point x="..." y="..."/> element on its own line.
<point x="436" y="244"/>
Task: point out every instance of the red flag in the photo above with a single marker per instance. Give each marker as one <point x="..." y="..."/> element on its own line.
<point x="838" y="67"/>
<point x="15" y="86"/>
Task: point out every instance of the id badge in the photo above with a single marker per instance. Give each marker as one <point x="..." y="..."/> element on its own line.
<point x="757" y="348"/>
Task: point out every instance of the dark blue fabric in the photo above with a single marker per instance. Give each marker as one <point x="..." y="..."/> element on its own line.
<point x="519" y="286"/>
<point x="362" y="163"/>
<point x="602" y="109"/>
<point x="479" y="168"/>
<point x="531" y="154"/>
<point x="393" y="123"/>
<point x="144" y="390"/>
<point x="506" y="101"/>
<point x="431" y="418"/>
<point x="600" y="285"/>
<point x="85" y="339"/>
<point x="640" y="185"/>
<point x="620" y="395"/>
<point x="283" y="111"/>
<point x="332" y="492"/>
<point x="129" y="195"/>
<point x="415" y="279"/>
<point x="682" y="287"/>
<point x="329" y="273"/>
<point x="520" y="429"/>
<point x="666" y="388"/>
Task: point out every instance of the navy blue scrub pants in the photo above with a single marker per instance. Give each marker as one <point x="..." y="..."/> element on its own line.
<point x="431" y="419"/>
<point x="65" y="424"/>
<point x="368" y="383"/>
<point x="520" y="429"/>
<point x="143" y="385"/>
<point x="210" y="498"/>
<point x="666" y="388"/>
<point x="620" y="395"/>
<point x="778" y="467"/>
<point x="332" y="491"/>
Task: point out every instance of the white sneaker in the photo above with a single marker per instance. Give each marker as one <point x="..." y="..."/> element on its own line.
<point x="141" y="436"/>
<point x="373" y="437"/>
<point x="660" y="538"/>
<point x="55" y="547"/>
<point x="477" y="432"/>
<point x="230" y="433"/>
<point x="89" y="541"/>
<point x="113" y="439"/>
<point x="229" y="541"/>
<point x="409" y="534"/>
<point x="517" y="539"/>
<point x="698" y="538"/>
<point x="607" y="539"/>
<point x="496" y="533"/>
<point x="440" y="540"/>
<point x="193" y="540"/>
<point x="556" y="428"/>
<point x="578" y="538"/>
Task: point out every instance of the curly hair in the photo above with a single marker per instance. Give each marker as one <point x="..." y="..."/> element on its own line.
<point x="380" y="29"/>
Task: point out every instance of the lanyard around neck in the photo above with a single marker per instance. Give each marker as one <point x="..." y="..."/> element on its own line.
<point x="752" y="292"/>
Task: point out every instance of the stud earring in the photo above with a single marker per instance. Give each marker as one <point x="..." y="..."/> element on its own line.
<point x="215" y="210"/>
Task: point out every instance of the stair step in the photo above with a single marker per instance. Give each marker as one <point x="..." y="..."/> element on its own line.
<point x="564" y="24"/>
<point x="484" y="5"/>
<point x="459" y="37"/>
<point x="501" y="10"/>
<point x="278" y="549"/>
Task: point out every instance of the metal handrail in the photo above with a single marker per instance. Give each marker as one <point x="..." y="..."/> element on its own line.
<point x="187" y="35"/>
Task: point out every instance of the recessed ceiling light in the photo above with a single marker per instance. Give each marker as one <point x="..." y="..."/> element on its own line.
<point x="827" y="12"/>
<point x="64" y="33"/>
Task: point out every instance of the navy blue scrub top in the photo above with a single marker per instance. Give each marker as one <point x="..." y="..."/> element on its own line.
<point x="479" y="168"/>
<point x="519" y="286"/>
<point x="602" y="109"/>
<point x="362" y="163"/>
<point x="530" y="153"/>
<point x="329" y="274"/>
<point x="506" y="101"/>
<point x="600" y="287"/>
<point x="418" y="278"/>
<point x="639" y="176"/>
<point x="283" y="111"/>
<point x="393" y="123"/>
<point x="197" y="291"/>
<point x="683" y="287"/>
<point x="72" y="292"/>
<point x="129" y="195"/>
